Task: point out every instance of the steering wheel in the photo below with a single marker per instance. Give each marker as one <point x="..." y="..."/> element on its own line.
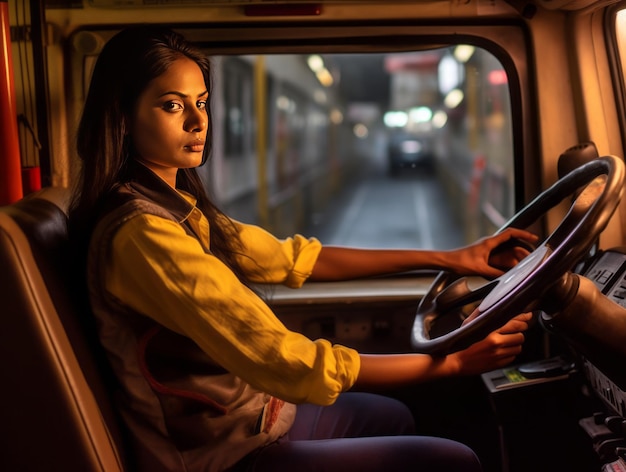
<point x="598" y="187"/>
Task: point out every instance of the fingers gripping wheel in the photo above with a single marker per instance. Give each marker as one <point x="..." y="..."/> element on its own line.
<point x="598" y="187"/>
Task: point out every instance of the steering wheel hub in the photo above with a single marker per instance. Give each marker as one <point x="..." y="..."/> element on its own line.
<point x="515" y="277"/>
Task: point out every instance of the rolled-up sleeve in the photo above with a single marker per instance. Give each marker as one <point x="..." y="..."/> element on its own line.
<point x="158" y="270"/>
<point x="268" y="259"/>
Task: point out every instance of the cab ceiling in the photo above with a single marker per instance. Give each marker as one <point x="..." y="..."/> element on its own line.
<point x="518" y="4"/>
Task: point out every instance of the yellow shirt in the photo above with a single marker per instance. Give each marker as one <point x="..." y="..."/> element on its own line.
<point x="161" y="272"/>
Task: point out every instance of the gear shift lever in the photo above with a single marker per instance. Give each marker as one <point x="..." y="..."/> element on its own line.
<point x="573" y="158"/>
<point x="576" y="156"/>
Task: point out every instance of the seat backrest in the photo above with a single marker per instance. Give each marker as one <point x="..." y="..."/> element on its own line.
<point x="55" y="410"/>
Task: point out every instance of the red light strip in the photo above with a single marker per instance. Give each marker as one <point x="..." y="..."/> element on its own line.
<point x="283" y="10"/>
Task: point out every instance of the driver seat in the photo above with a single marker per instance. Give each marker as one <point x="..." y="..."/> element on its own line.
<point x="55" y="408"/>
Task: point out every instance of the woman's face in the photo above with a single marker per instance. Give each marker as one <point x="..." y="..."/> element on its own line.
<point x="169" y="124"/>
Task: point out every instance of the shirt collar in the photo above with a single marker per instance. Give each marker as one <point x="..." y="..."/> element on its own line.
<point x="154" y="188"/>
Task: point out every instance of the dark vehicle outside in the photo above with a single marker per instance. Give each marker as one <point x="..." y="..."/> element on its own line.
<point x="406" y="150"/>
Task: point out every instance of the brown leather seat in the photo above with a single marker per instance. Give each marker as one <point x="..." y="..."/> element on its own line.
<point x="55" y="410"/>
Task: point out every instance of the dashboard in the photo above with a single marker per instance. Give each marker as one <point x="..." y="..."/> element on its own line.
<point x="608" y="273"/>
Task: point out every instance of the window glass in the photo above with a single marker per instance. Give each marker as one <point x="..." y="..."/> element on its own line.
<point x="237" y="98"/>
<point x="408" y="149"/>
<point x="620" y="35"/>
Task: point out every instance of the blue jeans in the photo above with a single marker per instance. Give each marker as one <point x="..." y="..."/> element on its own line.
<point x="360" y="432"/>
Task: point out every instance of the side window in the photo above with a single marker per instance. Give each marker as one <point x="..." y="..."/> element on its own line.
<point x="387" y="150"/>
<point x="620" y="38"/>
<point x="237" y="100"/>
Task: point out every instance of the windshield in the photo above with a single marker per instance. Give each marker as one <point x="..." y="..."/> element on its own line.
<point x="386" y="150"/>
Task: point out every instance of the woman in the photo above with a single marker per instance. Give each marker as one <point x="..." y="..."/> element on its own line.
<point x="209" y="379"/>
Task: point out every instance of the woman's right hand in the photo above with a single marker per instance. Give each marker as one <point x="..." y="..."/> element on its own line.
<point x="496" y="350"/>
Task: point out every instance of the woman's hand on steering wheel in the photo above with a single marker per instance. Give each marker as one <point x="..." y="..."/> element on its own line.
<point x="492" y="255"/>
<point x="496" y="350"/>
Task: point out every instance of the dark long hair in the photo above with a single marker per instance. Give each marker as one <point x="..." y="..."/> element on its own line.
<point x="125" y="67"/>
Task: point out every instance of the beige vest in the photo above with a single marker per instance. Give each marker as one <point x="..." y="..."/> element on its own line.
<point x="184" y="412"/>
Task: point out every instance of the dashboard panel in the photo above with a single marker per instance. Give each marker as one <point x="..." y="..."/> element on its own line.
<point x="608" y="273"/>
